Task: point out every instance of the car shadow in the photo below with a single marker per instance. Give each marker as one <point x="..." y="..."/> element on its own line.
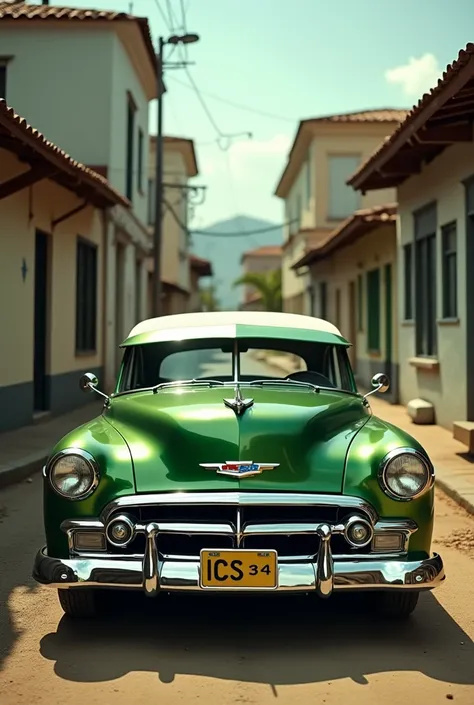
<point x="281" y="641"/>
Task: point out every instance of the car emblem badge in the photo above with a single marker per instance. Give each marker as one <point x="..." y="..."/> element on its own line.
<point x="239" y="468"/>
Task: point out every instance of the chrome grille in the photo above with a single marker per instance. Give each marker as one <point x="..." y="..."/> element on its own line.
<point x="289" y="544"/>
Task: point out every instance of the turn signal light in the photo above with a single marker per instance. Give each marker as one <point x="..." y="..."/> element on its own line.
<point x="388" y="541"/>
<point x="89" y="541"/>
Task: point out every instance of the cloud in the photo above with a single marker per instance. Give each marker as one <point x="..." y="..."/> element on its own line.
<point x="242" y="180"/>
<point x="248" y="156"/>
<point x="416" y="76"/>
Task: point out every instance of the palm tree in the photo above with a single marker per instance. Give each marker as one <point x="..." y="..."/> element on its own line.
<point x="268" y="284"/>
<point x="209" y="301"/>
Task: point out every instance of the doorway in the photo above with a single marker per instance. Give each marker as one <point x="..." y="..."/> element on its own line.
<point x="353" y="325"/>
<point x="388" y="320"/>
<point x="119" y="304"/>
<point x="40" y="393"/>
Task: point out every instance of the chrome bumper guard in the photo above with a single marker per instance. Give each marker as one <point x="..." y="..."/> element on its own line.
<point x="323" y="575"/>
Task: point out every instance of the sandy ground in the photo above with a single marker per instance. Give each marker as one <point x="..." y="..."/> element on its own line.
<point x="219" y="651"/>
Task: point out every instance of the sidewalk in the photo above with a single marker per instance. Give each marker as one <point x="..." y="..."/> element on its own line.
<point x="454" y="467"/>
<point x="24" y="451"/>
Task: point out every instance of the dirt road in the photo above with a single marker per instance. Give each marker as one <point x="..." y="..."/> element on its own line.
<point x="182" y="650"/>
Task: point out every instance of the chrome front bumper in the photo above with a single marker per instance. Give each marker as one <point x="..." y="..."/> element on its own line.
<point x="322" y="576"/>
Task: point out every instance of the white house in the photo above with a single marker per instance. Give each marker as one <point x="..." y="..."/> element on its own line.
<point x="325" y="152"/>
<point x="85" y="78"/>
<point x="179" y="166"/>
<point x="52" y="250"/>
<point x="430" y="160"/>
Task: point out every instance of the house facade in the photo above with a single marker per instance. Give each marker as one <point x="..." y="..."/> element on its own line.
<point x="258" y="261"/>
<point x="53" y="213"/>
<point x="85" y="78"/>
<point x="325" y="152"/>
<point x="354" y="279"/>
<point x="430" y="161"/>
<point x="179" y="165"/>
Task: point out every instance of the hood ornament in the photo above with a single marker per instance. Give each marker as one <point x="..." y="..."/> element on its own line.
<point x="238" y="403"/>
<point x="239" y="468"/>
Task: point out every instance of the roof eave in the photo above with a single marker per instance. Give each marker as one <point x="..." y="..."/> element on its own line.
<point x="354" y="228"/>
<point x="360" y="181"/>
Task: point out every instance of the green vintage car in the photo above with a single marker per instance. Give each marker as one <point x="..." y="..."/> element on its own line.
<point x="214" y="467"/>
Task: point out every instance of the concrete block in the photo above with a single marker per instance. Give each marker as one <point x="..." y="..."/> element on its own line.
<point x="421" y="411"/>
<point x="463" y="431"/>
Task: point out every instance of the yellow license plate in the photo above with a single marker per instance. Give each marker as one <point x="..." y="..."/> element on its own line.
<point x="239" y="570"/>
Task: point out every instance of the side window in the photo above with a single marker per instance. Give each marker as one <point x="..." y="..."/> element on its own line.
<point x="336" y="368"/>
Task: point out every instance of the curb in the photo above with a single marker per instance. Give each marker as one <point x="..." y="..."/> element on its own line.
<point x="30" y="465"/>
<point x="454" y="495"/>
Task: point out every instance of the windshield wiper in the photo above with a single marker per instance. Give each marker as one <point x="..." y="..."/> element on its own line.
<point x="187" y="383"/>
<point x="290" y="382"/>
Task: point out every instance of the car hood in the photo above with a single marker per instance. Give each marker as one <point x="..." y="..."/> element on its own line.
<point x="305" y="434"/>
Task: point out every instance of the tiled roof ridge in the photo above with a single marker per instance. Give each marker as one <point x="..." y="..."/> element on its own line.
<point x="36" y="136"/>
<point x="464" y="56"/>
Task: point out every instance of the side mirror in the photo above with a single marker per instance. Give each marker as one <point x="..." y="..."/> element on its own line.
<point x="88" y="382"/>
<point x="380" y="383"/>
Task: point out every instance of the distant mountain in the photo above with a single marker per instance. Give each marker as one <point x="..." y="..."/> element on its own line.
<point x="225" y="252"/>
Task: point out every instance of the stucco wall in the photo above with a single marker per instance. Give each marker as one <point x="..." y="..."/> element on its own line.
<point x="294" y="286"/>
<point x="17" y="243"/>
<point x="328" y="141"/>
<point x="123" y="79"/>
<point x="444" y="388"/>
<point x="344" y="143"/>
<point x="175" y="247"/>
<point x="85" y="75"/>
<point x="54" y="70"/>
<point x="371" y="251"/>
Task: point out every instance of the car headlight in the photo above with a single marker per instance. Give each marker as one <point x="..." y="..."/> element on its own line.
<point x="405" y="474"/>
<point x="73" y="473"/>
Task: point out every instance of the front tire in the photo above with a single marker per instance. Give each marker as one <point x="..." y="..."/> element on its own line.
<point x="78" y="604"/>
<point x="399" y="604"/>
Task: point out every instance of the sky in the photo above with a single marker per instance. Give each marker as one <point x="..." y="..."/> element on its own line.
<point x="291" y="60"/>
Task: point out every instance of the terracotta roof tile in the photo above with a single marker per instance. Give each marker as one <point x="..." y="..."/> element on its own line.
<point x="358" y="224"/>
<point x="201" y="265"/>
<point x="376" y="115"/>
<point x="266" y="251"/>
<point x="51" y="13"/>
<point x="18" y="128"/>
<point x="427" y="100"/>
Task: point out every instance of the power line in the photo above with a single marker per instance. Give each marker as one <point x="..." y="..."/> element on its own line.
<point x="217" y="234"/>
<point x="203" y="103"/>
<point x="239" y="106"/>
<point x="170" y="14"/>
<point x="163" y="16"/>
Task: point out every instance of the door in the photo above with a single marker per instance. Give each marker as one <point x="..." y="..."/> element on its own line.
<point x="120" y="331"/>
<point x="41" y="400"/>
<point x="353" y="325"/>
<point x="388" y="319"/>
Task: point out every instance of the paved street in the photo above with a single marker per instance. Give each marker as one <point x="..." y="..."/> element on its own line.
<point x="218" y="651"/>
<point x="186" y="649"/>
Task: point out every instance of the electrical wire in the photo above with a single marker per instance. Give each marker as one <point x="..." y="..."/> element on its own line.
<point x="163" y="15"/>
<point x="217" y="234"/>
<point x="203" y="103"/>
<point x="239" y="106"/>
<point x="170" y="15"/>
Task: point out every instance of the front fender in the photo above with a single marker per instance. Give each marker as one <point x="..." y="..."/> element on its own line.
<point x="112" y="454"/>
<point x="374" y="440"/>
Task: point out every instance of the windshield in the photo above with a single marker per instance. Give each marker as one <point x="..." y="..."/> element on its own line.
<point x="319" y="364"/>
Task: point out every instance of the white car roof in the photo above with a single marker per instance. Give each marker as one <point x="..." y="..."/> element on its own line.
<point x="226" y="319"/>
